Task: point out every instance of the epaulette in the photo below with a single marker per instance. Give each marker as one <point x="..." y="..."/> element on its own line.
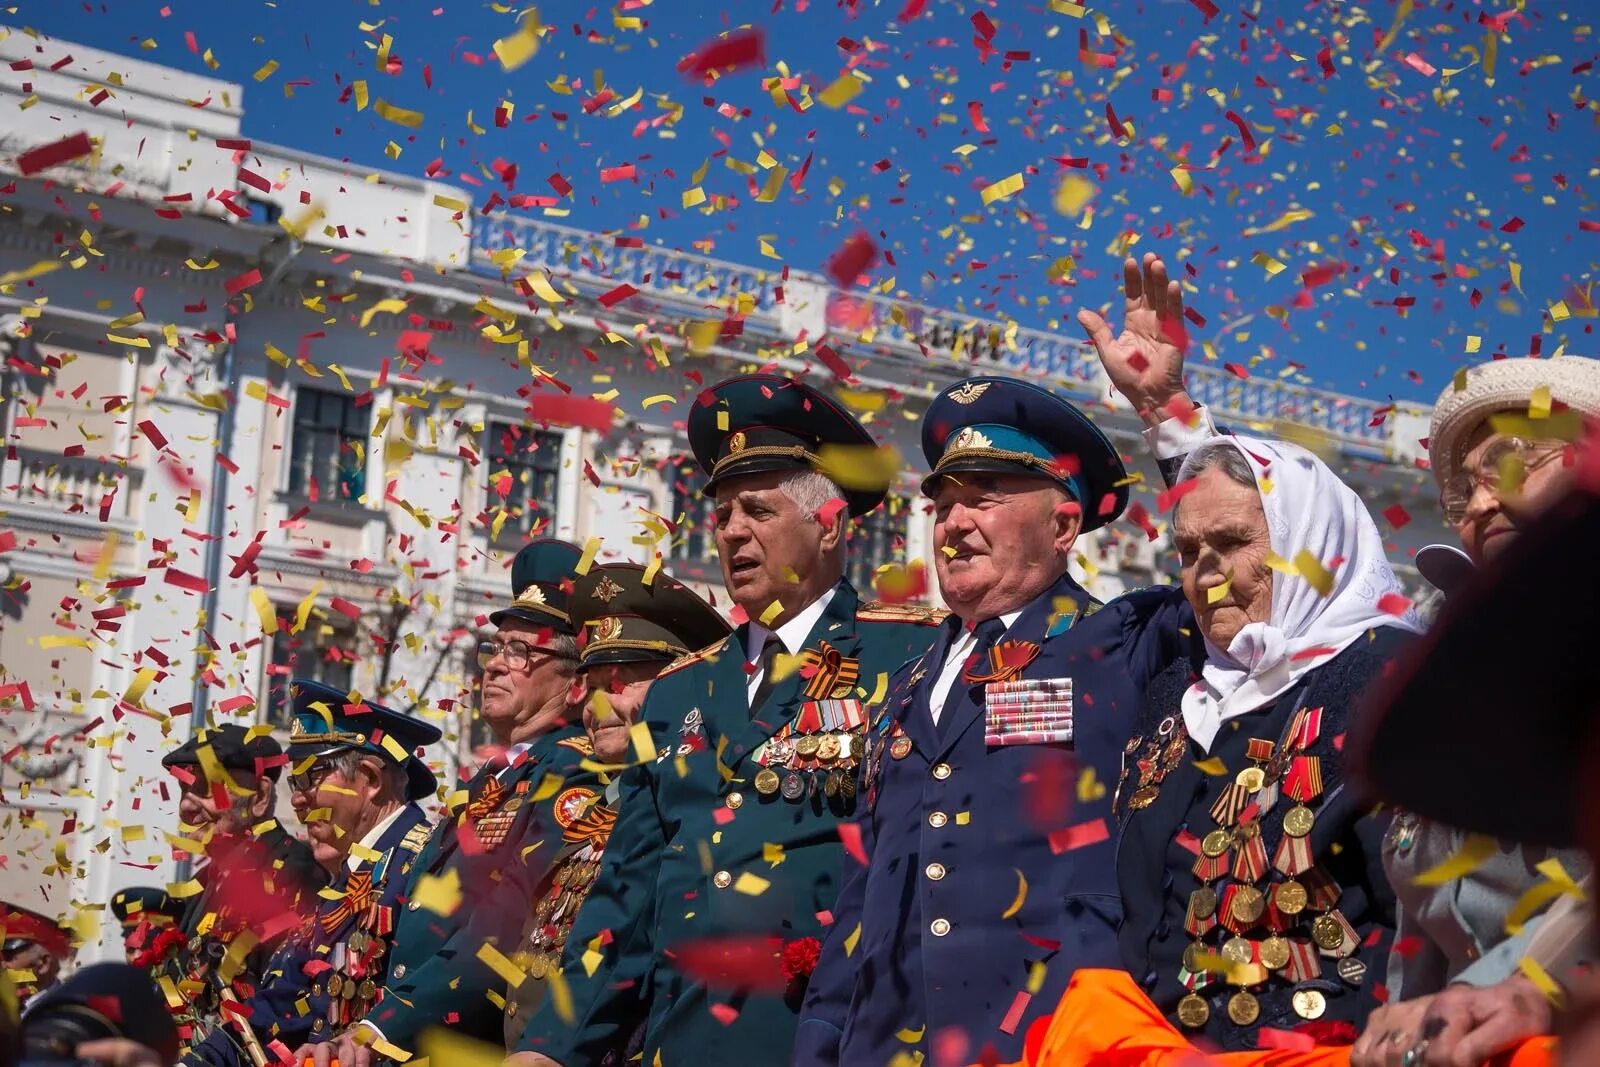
<point x="691" y="658"/>
<point x="916" y="614"/>
<point x="416" y="837"/>
<point x="579" y="743"/>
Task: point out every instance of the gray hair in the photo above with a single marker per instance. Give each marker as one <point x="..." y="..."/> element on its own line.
<point x="811" y="491"/>
<point x="564" y="646"/>
<point x="1222" y="455"/>
<point x="394" y="783"/>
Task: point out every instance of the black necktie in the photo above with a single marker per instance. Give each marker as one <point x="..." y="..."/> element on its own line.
<point x="766" y="659"/>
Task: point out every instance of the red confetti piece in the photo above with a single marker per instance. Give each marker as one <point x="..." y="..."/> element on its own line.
<point x="1079" y="836"/>
<point x="564" y="410"/>
<point x="835" y="363"/>
<point x="744" y="48"/>
<point x="1019" y="1004"/>
<point x="1393" y="604"/>
<point x="183" y="580"/>
<point x="618" y="295"/>
<point x="53" y="154"/>
<point x="617" y="174"/>
<point x="829" y="510"/>
<point x="912" y="9"/>
<point x="1397" y="515"/>
<point x="1237" y="371"/>
<point x="747" y="961"/>
<point x="1206" y="8"/>
<point x="1168" y="499"/>
<point x="1287" y="1040"/>
<point x="1420" y="65"/>
<point x="238" y="284"/>
<point x="856" y="255"/>
<point x="153" y="433"/>
<point x="850" y="837"/>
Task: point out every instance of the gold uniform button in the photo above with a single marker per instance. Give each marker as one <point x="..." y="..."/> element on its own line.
<point x="935" y="871"/>
<point x="939" y="927"/>
<point x="722" y="879"/>
<point x="938" y="819"/>
<point x="399" y="970"/>
<point x="941" y="771"/>
<point x="735" y="800"/>
<point x="414" y="905"/>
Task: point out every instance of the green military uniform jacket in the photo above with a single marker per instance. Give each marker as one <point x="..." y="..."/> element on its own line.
<point x="497" y="847"/>
<point x="700" y="856"/>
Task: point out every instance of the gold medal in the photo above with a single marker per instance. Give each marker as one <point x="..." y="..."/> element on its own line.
<point x="1252" y="778"/>
<point x="1193" y="1011"/>
<point x="847" y="785"/>
<point x="1309" y="1003"/>
<point x="1216" y="843"/>
<point x="1191" y="957"/>
<point x="1237" y="950"/>
<point x="828" y="748"/>
<point x="1142" y="798"/>
<point x="1275" y="953"/>
<point x="767" y="782"/>
<point x="1290" y="897"/>
<point x="1298" y="821"/>
<point x="335" y="985"/>
<point x="367" y="990"/>
<point x="1203" y="902"/>
<point x="1244" y="1008"/>
<point x="900" y="748"/>
<point x="1327" y="932"/>
<point x="806" y="746"/>
<point x="1248" y="905"/>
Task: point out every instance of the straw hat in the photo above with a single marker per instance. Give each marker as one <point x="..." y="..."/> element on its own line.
<point x="1505" y="385"/>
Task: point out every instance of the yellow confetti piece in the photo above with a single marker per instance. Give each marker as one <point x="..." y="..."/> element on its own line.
<point x="772" y="611"/>
<point x="398" y="115"/>
<point x="1474" y="343"/>
<point x="395" y="749"/>
<point x="841" y="92"/>
<point x="911" y="1037"/>
<point x="1268" y="264"/>
<point x="1535" y="973"/>
<point x="1213" y="766"/>
<point x="1516" y="276"/>
<point x="303" y="611"/>
<point x="264" y="611"/>
<point x="1281" y="565"/>
<point x="185" y="890"/>
<point x="1002" y="189"/>
<point x="1022" y="895"/>
<point x="694" y="197"/>
<point x="772" y="853"/>
<point x="1184" y="182"/>
<point x="591" y="548"/>
<point x="44" y="266"/>
<point x="859" y="466"/>
<point x="1218" y="592"/>
<point x="659" y="398"/>
<point x="64" y="641"/>
<point x="751" y="885"/>
<point x="881" y="688"/>
<point x="492" y="958"/>
<point x="1073" y="195"/>
<point x="1284" y="221"/>
<point x="266" y="70"/>
<point x="543" y="289"/>
<point x="391" y="306"/>
<point x="449" y="203"/>
<point x="1539" y="402"/>
<point x="851" y="941"/>
<point x="516" y="49"/>
<point x="1311" y="569"/>
<point x="141" y="681"/>
<point x="1474" y="850"/>
<point x="644" y="746"/>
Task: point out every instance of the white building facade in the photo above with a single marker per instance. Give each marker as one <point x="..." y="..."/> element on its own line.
<point x="269" y="414"/>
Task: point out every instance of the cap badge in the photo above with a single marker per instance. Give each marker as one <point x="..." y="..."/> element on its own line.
<point x="967" y="392"/>
<point x="606" y="590"/>
<point x="736" y="443"/>
<point x="608" y="629"/>
<point x="532" y="593"/>
<point x="969" y="437"/>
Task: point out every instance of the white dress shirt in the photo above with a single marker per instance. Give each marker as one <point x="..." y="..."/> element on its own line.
<point x="370" y="841"/>
<point x="791" y="635"/>
<point x="954" y="660"/>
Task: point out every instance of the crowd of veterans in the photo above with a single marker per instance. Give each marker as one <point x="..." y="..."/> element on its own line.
<point x="1266" y="813"/>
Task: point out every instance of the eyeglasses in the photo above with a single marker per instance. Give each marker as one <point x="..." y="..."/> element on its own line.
<point x="1502" y="469"/>
<point x="518" y="654"/>
<point x="311" y="777"/>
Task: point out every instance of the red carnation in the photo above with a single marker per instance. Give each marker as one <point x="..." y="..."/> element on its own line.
<point x="800" y="957"/>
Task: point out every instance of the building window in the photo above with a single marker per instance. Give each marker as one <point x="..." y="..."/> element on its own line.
<point x="524" y="478"/>
<point x="695" y="512"/>
<point x="878" y="538"/>
<point x="328" y="450"/>
<point x="320" y="652"/>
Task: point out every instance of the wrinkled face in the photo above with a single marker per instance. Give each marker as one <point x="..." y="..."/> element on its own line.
<point x="206" y="810"/>
<point x="768" y="546"/>
<point x="613" y="695"/>
<point x="34" y="958"/>
<point x="520" y="680"/>
<point x="335" y="807"/>
<point x="1221" y="535"/>
<point x="999" y="541"/>
<point x="1510" y="484"/>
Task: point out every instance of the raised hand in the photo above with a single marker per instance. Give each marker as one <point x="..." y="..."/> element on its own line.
<point x="1145" y="363"/>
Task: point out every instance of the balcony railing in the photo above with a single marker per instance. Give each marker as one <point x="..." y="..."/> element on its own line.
<point x="80" y="485"/>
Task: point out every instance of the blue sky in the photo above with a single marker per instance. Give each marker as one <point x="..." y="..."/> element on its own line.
<point x="1355" y="213"/>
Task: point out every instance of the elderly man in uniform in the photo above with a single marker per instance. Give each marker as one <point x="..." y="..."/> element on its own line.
<point x="632" y="625"/>
<point x="251" y="870"/>
<point x="355" y="780"/>
<point x="502" y="821"/>
<point x="149" y="918"/>
<point x="33" y="948"/>
<point x="727" y="844"/>
<point x="989" y="874"/>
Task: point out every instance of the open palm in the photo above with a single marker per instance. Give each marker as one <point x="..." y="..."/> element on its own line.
<point x="1145" y="363"/>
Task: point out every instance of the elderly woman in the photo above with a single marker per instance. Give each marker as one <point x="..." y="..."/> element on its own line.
<point x="1500" y="447"/>
<point x="1253" y="897"/>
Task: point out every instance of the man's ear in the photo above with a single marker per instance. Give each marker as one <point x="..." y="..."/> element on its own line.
<point x="833" y="516"/>
<point x="265" y="798"/>
<point x="371" y="775"/>
<point x="1067" y="521"/>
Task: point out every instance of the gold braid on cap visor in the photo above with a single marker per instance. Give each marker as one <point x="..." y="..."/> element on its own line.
<point x="1001" y="454"/>
<point x="594" y="648"/>
<point x="765" y="452"/>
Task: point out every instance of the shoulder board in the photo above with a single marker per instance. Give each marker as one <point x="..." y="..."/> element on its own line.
<point x="579" y="743"/>
<point x="416" y="837"/>
<point x="690" y="659"/>
<point x="916" y="614"/>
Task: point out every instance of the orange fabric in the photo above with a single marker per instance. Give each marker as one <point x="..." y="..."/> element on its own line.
<point x="1105" y="1020"/>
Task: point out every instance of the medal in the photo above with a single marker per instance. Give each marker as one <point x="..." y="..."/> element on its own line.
<point x="793" y="787"/>
<point x="335" y="985"/>
<point x="1298" y="821"/>
<point x="1193" y="1011"/>
<point x="900" y="748"/>
<point x="806" y="746"/>
<point x="828" y="748"/>
<point x="1243" y="1008"/>
<point x="1216" y="843"/>
<point x="1142" y="798"/>
<point x="1225" y="810"/>
<point x="767" y="782"/>
<point x="1275" y="953"/>
<point x="1327" y="932"/>
<point x="1251" y="779"/>
<point x="847" y="786"/>
<point x="780" y="750"/>
<point x="1352" y="970"/>
<point x="1309" y="1003"/>
<point x="1289" y="897"/>
<point x="1203" y="902"/>
<point x="1248" y="905"/>
<point x="830" y="784"/>
<point x="1191" y="957"/>
<point x="1237" y="950"/>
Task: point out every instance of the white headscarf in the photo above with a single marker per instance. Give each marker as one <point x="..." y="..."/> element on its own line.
<point x="1308" y="509"/>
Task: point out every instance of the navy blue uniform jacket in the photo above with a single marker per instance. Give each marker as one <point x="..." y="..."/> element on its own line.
<point x="976" y="874"/>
